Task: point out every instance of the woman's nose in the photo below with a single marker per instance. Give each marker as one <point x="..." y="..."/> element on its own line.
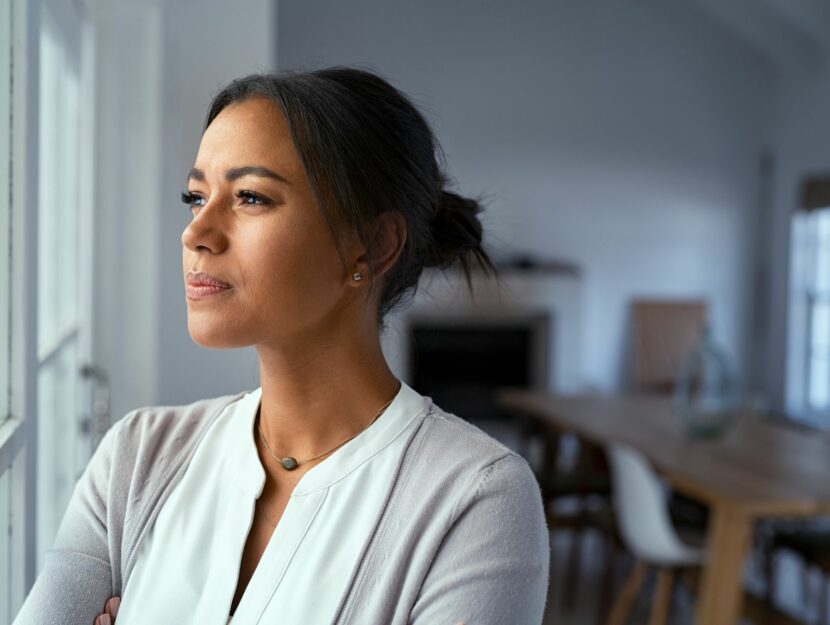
<point x="205" y="230"/>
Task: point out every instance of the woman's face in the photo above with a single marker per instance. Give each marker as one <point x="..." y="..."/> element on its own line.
<point x="256" y="226"/>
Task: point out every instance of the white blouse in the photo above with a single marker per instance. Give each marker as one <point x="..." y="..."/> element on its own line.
<point x="188" y="566"/>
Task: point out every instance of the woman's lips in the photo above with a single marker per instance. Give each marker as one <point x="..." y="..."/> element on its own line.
<point x="201" y="290"/>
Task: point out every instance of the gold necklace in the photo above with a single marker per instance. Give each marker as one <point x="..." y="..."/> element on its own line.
<point x="290" y="463"/>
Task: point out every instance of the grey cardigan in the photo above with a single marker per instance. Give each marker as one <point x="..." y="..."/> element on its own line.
<point x="462" y="535"/>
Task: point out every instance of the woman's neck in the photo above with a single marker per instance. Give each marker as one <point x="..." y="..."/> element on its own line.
<point x="318" y="400"/>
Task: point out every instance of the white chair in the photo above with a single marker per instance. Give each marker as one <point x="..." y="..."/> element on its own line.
<point x="641" y="508"/>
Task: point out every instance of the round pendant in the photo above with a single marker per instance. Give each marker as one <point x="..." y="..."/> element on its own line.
<point x="289" y="463"/>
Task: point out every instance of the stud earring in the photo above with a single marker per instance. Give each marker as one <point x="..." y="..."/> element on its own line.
<point x="357" y="277"/>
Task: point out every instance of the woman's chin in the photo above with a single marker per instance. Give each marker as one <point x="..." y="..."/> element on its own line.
<point x="214" y="335"/>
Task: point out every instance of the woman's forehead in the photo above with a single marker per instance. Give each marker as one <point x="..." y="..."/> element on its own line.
<point x="253" y="131"/>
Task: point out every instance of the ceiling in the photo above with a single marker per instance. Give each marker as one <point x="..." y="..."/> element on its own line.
<point x="792" y="33"/>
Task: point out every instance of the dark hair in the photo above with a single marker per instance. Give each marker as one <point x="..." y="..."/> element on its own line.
<point x="366" y="149"/>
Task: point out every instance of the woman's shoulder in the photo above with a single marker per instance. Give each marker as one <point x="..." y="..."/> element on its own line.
<point x="173" y="422"/>
<point x="143" y="449"/>
<point x="456" y="439"/>
<point x="456" y="455"/>
<point x="466" y="525"/>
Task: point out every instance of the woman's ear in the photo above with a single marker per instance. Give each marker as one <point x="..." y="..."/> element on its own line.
<point x="387" y="242"/>
<point x="390" y="239"/>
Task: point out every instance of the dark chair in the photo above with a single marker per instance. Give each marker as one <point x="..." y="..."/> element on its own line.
<point x="810" y="541"/>
<point x="586" y="484"/>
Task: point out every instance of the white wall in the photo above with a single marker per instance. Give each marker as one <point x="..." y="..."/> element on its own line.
<point x="206" y="44"/>
<point x="624" y="136"/>
<point x="127" y="158"/>
<point x="158" y="66"/>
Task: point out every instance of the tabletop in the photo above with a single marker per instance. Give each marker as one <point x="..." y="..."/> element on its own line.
<point x="766" y="465"/>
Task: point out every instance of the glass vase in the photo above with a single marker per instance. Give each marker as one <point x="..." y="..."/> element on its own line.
<point x="706" y="391"/>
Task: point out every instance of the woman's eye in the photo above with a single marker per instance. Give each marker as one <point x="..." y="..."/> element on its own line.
<point x="251" y="198"/>
<point x="191" y="199"/>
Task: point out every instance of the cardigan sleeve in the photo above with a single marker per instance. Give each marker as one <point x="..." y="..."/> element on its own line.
<point x="492" y="565"/>
<point x="76" y="579"/>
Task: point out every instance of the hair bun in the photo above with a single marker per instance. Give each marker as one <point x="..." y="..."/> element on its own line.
<point x="455" y="229"/>
<point x="454" y="203"/>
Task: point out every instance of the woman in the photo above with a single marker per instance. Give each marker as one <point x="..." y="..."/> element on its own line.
<point x="334" y="492"/>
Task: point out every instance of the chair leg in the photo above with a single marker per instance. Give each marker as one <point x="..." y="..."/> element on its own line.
<point x="768" y="572"/>
<point x="571" y="583"/>
<point x="662" y="597"/>
<point x="628" y="594"/>
<point x="608" y="576"/>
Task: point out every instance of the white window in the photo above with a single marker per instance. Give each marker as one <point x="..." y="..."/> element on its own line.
<point x="46" y="62"/>
<point x="16" y="538"/>
<point x="809" y="326"/>
<point x="63" y="450"/>
<point x="817" y="378"/>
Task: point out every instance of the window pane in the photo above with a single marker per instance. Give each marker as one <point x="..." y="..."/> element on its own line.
<point x="65" y="211"/>
<point x="57" y="404"/>
<point x="822" y="284"/>
<point x="816" y="256"/>
<point x="5" y="545"/>
<point x="820" y="330"/>
<point x="50" y="99"/>
<point x="823" y="226"/>
<point x="57" y="222"/>
<point x="819" y="397"/>
<point x="5" y="208"/>
<point x="60" y="443"/>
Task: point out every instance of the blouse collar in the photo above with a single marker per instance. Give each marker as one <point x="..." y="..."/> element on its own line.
<point x="406" y="406"/>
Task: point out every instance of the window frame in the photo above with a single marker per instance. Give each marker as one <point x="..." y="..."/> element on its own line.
<point x="18" y="455"/>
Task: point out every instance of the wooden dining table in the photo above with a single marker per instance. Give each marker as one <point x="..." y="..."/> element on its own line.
<point x="759" y="468"/>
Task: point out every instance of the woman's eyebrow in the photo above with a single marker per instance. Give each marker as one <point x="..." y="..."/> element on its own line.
<point x="238" y="172"/>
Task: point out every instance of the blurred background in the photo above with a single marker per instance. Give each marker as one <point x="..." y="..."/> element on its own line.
<point x="657" y="178"/>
